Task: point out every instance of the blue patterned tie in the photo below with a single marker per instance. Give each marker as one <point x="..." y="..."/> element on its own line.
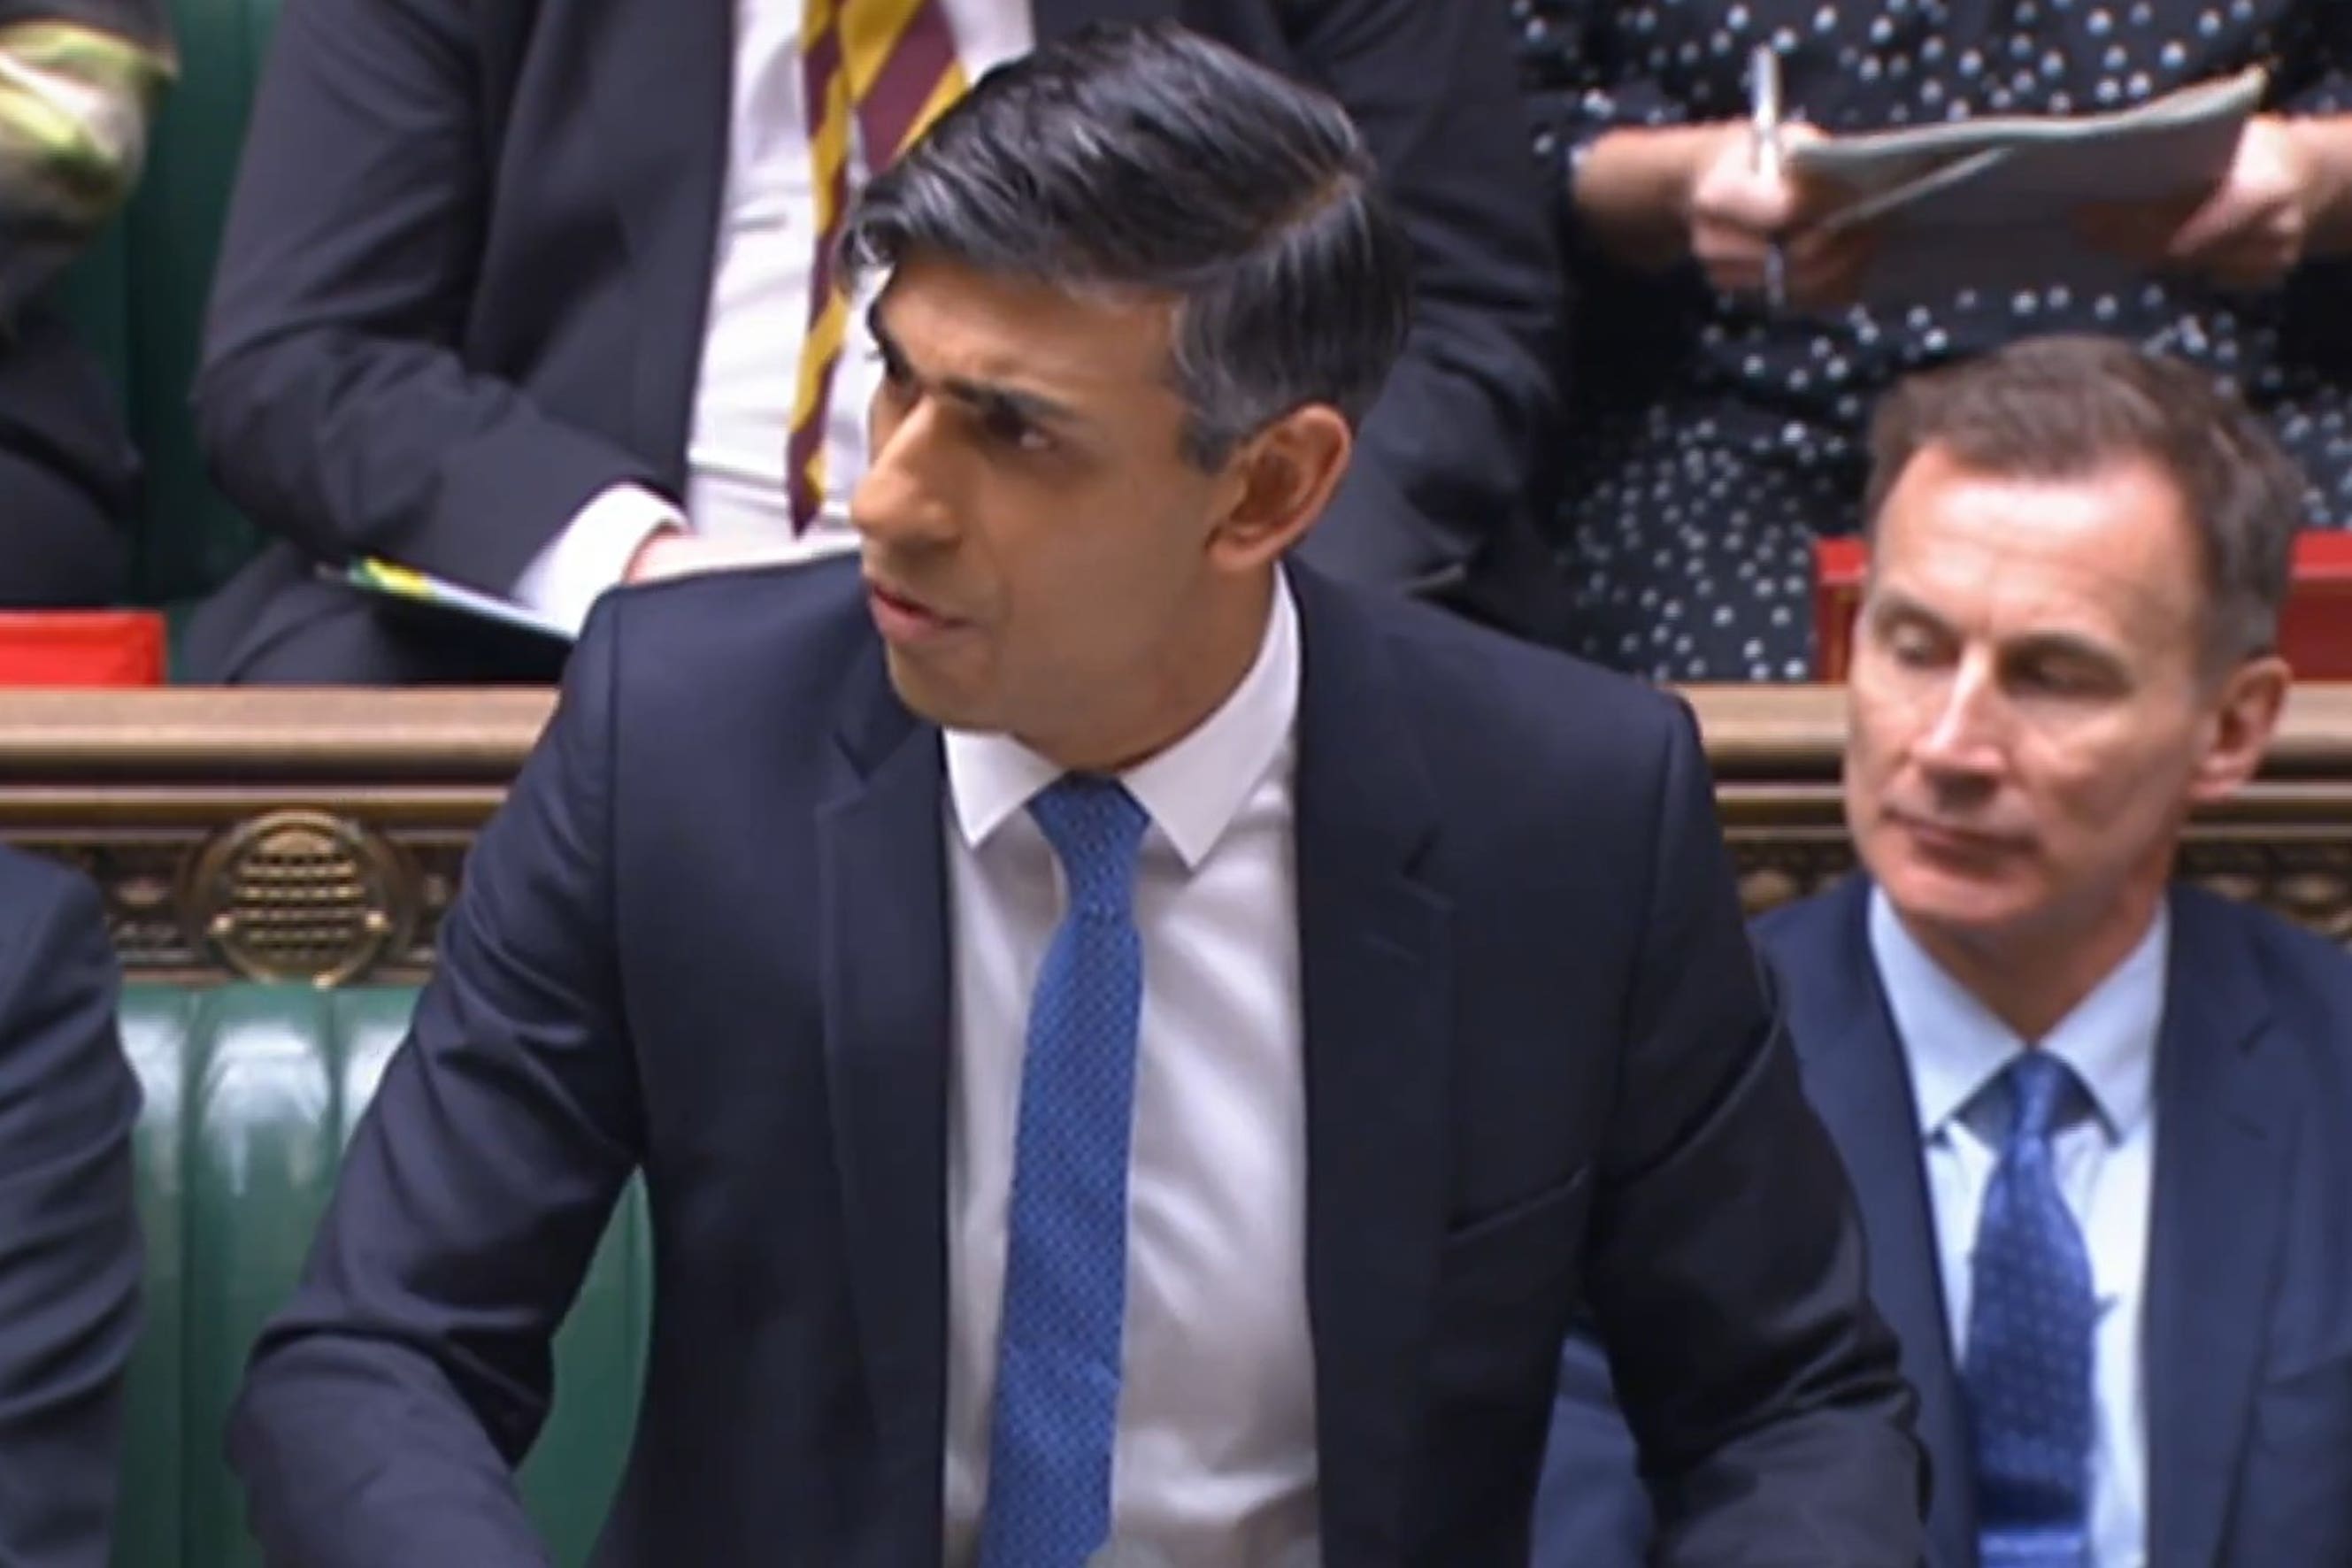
<point x="1065" y="1261"/>
<point x="2032" y="1314"/>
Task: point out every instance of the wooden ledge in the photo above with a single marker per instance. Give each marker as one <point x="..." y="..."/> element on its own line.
<point x="318" y="835"/>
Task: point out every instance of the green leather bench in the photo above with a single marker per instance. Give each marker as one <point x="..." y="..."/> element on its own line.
<point x="251" y="1092"/>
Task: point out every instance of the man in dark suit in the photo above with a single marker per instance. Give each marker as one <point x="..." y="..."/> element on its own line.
<point x="514" y="294"/>
<point x="1127" y="1043"/>
<point x="69" y="1228"/>
<point x="2097" y="1122"/>
<point x="82" y="78"/>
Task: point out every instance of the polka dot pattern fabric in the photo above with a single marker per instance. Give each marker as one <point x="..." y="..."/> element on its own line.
<point x="1709" y="442"/>
<point x="2032" y="1313"/>
<point x="1056" y="1414"/>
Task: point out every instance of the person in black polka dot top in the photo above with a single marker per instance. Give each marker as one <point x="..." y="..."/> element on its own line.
<point x="1710" y="439"/>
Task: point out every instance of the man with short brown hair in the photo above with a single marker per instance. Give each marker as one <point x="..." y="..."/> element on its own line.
<point x="2095" y="1118"/>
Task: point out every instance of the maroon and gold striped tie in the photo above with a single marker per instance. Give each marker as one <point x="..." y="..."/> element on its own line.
<point x="888" y="67"/>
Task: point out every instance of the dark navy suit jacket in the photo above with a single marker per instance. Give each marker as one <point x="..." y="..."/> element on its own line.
<point x="464" y="284"/>
<point x="2248" y="1336"/>
<point x="706" y="938"/>
<point x="70" y="1254"/>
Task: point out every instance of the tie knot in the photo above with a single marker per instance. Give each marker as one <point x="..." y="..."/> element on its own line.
<point x="2043" y="1092"/>
<point x="1096" y="829"/>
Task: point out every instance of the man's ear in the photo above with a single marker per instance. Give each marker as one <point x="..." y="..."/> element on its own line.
<point x="2242" y="723"/>
<point x="1278" y="483"/>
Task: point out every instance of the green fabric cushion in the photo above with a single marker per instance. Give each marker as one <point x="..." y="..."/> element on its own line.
<point x="252" y="1092"/>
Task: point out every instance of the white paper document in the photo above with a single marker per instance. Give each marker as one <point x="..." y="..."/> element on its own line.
<point x="1993" y="204"/>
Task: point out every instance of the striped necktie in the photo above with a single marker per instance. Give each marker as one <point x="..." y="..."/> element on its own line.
<point x="888" y="68"/>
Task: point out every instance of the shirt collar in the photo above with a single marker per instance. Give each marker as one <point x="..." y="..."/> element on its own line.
<point x="1956" y="1046"/>
<point x="1192" y="791"/>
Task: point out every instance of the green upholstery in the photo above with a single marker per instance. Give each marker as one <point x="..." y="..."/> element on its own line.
<point x="138" y="297"/>
<point x="251" y="1092"/>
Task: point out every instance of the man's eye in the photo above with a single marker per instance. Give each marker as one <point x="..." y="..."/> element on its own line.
<point x="1007" y="428"/>
<point x="2060" y="679"/>
<point x="1911" y="644"/>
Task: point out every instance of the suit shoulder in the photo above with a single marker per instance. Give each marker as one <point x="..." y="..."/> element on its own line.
<point x="1794" y="931"/>
<point x="721" y="631"/>
<point x="36" y="893"/>
<point x="2301" y="971"/>
<point x="1528" y="694"/>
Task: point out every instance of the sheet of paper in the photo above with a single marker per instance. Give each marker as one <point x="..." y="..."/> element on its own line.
<point x="1993" y="204"/>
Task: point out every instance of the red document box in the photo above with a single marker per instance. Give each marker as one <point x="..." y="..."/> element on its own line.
<point x="2315" y="632"/>
<point x="82" y="648"/>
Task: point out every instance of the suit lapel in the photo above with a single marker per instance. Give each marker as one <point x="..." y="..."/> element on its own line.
<point x="1376" y="993"/>
<point x="660" y="94"/>
<point x="883" y="961"/>
<point x="2221" y="1096"/>
<point x="1059" y="18"/>
<point x="1856" y="1076"/>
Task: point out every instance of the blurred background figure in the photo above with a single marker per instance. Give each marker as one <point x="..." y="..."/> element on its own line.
<point x="69" y="1249"/>
<point x="537" y="300"/>
<point x="80" y="83"/>
<point x="1712" y="439"/>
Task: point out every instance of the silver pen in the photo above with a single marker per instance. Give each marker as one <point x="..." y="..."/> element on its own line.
<point x="1764" y="127"/>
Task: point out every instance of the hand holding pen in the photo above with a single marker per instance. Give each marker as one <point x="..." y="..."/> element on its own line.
<point x="1749" y="221"/>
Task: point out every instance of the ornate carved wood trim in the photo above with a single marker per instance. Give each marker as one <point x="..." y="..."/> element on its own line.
<point x="317" y="835"/>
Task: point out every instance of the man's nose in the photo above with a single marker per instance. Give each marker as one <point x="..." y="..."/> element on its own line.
<point x="902" y="497"/>
<point x="1963" y="734"/>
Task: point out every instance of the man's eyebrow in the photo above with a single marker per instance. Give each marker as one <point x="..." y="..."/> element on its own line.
<point x="988" y="397"/>
<point x="1893" y="604"/>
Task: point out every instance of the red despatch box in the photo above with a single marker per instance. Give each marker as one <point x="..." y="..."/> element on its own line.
<point x="2315" y="632"/>
<point x="82" y="648"/>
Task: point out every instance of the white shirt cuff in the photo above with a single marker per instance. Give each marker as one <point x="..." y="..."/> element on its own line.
<point x="571" y="570"/>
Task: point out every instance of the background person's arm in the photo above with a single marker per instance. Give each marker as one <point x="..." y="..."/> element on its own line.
<point x="332" y="404"/>
<point x="78" y="90"/>
<point x="1451" y="453"/>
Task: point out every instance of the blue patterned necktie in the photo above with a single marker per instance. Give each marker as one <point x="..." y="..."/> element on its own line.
<point x="2032" y="1315"/>
<point x="1057" y="1367"/>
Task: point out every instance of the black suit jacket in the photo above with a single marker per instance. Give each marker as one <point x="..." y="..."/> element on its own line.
<point x="465" y="274"/>
<point x="70" y="1257"/>
<point x="2247" y="1346"/>
<point x="706" y="937"/>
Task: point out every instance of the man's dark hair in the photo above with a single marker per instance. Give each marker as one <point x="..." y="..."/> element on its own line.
<point x="1149" y="158"/>
<point x="2065" y="406"/>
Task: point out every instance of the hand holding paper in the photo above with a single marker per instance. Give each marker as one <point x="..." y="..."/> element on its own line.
<point x="1995" y="204"/>
<point x="2247" y="233"/>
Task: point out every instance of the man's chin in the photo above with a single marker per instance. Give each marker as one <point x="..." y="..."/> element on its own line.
<point x="927" y="694"/>
<point x="1965" y="903"/>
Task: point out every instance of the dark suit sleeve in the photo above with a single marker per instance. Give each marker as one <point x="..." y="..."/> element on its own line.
<point x="384" y="1409"/>
<point x="1727" y="1272"/>
<point x="1450" y="455"/>
<point x="332" y="403"/>
<point x="69" y="1256"/>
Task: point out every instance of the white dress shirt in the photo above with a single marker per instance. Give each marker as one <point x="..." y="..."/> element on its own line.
<point x="2105" y="1163"/>
<point x="1214" y="1458"/>
<point x="760" y="273"/>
